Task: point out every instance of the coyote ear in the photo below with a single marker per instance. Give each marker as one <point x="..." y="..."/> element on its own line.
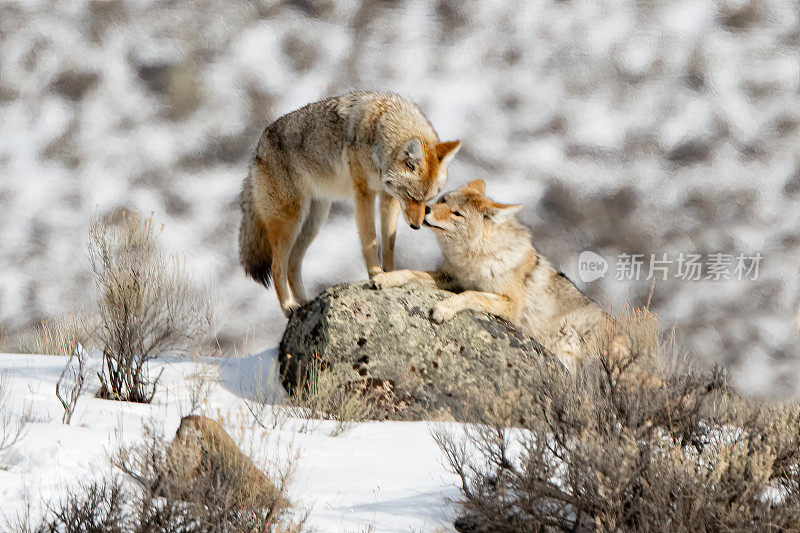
<point x="502" y="212"/>
<point x="478" y="185"/>
<point x="412" y="150"/>
<point x="446" y="151"/>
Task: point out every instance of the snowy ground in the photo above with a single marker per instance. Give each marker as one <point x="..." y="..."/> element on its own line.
<point x="383" y="475"/>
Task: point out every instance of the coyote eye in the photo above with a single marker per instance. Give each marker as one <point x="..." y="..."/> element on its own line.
<point x="409" y="165"/>
<point x="456" y="213"/>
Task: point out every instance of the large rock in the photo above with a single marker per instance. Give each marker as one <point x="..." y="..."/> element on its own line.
<point x="385" y="339"/>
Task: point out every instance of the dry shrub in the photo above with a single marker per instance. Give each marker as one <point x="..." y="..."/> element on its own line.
<point x="627" y="443"/>
<point x="147" y="306"/>
<point x="95" y="507"/>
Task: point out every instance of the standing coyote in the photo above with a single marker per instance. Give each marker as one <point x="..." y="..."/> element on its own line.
<point x="361" y="144"/>
<point x="489" y="255"/>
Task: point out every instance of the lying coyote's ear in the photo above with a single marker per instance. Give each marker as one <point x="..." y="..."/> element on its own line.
<point x="501" y="212"/>
<point x="446" y="151"/>
<point x="478" y="185"/>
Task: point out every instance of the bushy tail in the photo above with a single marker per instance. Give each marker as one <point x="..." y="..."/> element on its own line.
<point x="255" y="253"/>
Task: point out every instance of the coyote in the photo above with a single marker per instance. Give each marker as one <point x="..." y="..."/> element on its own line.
<point x="489" y="255"/>
<point x="361" y="144"/>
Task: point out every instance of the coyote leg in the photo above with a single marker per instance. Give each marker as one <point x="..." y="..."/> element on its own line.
<point x="496" y="304"/>
<point x="390" y="211"/>
<point x="282" y="231"/>
<point x="317" y="213"/>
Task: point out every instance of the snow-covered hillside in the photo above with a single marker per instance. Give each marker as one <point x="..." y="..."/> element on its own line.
<point x="624" y="127"/>
<point x="378" y="476"/>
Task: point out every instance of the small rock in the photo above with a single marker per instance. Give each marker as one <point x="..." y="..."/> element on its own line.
<point x="203" y="450"/>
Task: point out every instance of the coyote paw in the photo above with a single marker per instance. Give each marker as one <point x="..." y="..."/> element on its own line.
<point x="441" y="313"/>
<point x="289" y="308"/>
<point x="374" y="271"/>
<point x="380" y="281"/>
<point x="384" y="280"/>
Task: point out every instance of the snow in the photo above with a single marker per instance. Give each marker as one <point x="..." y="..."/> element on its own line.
<point x="587" y="96"/>
<point x="388" y="476"/>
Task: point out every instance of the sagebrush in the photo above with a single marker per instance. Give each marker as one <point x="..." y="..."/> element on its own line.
<point x="146" y="306"/>
<point x="627" y="444"/>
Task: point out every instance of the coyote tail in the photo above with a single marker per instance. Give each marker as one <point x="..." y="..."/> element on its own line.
<point x="255" y="253"/>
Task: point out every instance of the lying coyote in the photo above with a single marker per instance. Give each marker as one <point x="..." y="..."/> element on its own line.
<point x="358" y="145"/>
<point x="489" y="255"/>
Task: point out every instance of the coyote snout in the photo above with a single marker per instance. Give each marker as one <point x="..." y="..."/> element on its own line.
<point x="417" y="175"/>
<point x="414" y="213"/>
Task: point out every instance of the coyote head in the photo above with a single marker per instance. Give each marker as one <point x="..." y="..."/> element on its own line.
<point x="417" y="174"/>
<point x="466" y="216"/>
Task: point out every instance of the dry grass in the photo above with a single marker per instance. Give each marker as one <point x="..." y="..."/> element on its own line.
<point x="147" y="306"/>
<point x="637" y="442"/>
<point x="7" y="344"/>
<point x="65" y="336"/>
<point x="331" y="394"/>
<point x="62" y="335"/>
<point x="326" y="397"/>
<point x="199" y="384"/>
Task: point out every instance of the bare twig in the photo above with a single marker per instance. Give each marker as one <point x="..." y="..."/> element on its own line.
<point x="70" y="383"/>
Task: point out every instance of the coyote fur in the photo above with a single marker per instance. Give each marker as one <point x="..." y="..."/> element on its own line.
<point x="359" y="145"/>
<point x="489" y="255"/>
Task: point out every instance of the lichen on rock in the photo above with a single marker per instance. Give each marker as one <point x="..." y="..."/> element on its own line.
<point x="385" y="338"/>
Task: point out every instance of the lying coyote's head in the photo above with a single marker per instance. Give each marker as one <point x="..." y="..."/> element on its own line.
<point x="466" y="216"/>
<point x="417" y="174"/>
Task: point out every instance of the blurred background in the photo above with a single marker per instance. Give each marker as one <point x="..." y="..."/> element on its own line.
<point x="624" y="127"/>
